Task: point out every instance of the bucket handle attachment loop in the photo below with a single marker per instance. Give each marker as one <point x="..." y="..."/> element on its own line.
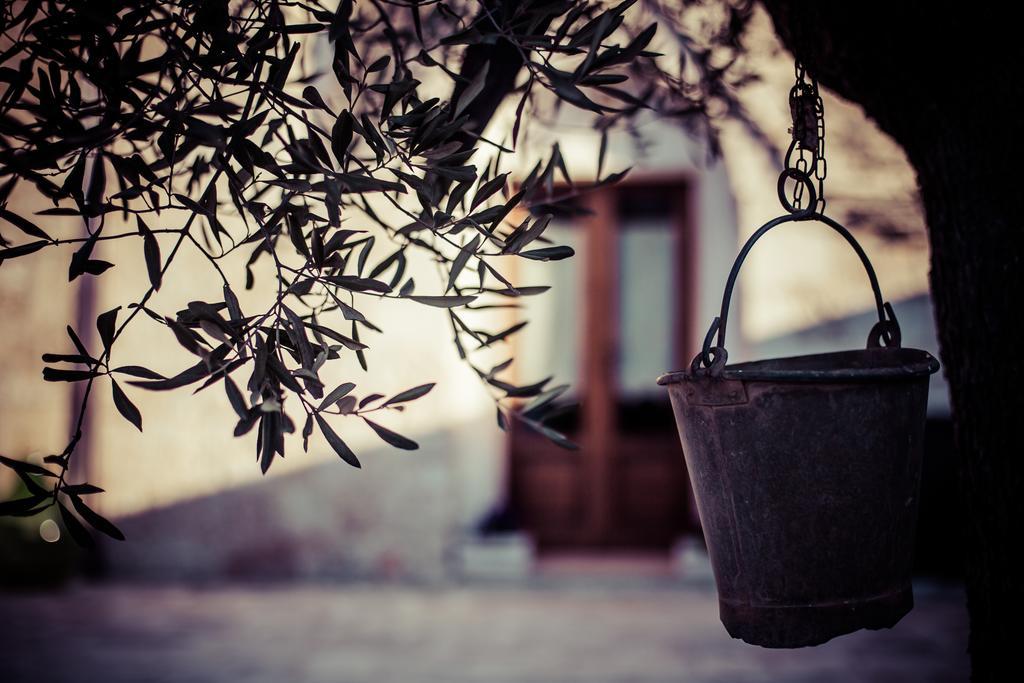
<point x="711" y="359"/>
<point x="885" y="332"/>
<point x="712" y="356"/>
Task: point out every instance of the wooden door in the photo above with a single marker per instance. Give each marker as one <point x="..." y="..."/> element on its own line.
<point x="629" y="304"/>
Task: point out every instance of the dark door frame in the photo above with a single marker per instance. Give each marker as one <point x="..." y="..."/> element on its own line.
<point x="598" y="388"/>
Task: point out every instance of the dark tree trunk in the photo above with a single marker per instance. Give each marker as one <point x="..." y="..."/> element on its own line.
<point x="944" y="82"/>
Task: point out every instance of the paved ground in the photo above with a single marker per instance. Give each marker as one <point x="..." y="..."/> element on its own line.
<point x="372" y="634"/>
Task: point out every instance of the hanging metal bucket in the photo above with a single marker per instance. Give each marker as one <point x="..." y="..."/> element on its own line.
<point x="806" y="473"/>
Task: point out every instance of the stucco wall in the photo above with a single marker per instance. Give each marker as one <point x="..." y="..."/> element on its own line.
<point x="191" y="497"/>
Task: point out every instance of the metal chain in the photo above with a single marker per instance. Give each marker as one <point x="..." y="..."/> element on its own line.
<point x="805" y="158"/>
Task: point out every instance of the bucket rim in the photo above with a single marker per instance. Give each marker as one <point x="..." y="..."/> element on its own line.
<point x="873" y="364"/>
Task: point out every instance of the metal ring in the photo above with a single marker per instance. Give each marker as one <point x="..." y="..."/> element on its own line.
<point x="718" y="357"/>
<point x="886" y="332"/>
<point x="705" y="350"/>
<point x="808" y="186"/>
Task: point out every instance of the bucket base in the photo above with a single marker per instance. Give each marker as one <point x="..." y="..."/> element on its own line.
<point x="790" y="626"/>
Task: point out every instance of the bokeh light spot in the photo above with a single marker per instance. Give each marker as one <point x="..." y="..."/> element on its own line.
<point x="49" y="531"/>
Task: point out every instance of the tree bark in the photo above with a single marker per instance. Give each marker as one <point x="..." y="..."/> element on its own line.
<point x="938" y="79"/>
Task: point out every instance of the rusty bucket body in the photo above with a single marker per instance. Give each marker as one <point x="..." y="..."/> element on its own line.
<point x="806" y="473"/>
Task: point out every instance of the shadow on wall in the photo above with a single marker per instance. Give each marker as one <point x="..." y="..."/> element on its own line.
<point x="393" y="519"/>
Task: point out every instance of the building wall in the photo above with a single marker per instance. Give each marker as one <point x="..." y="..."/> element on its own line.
<point x="192" y="499"/>
<point x="191" y="496"/>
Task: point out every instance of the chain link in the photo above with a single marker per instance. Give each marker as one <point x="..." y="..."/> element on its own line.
<point x="805" y="159"/>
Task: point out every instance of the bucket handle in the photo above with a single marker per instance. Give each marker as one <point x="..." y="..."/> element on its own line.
<point x="886" y="332"/>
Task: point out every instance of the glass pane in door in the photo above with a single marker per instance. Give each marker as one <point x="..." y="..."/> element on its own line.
<point x="646" y="303"/>
<point x="550" y="343"/>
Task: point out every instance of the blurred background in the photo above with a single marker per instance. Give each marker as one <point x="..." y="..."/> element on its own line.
<point x="484" y="556"/>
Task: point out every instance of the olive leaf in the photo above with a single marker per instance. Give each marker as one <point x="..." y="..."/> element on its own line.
<point x="410" y="394"/>
<point x="339" y="446"/>
<point x="396" y="440"/>
<point x="125" y="406"/>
